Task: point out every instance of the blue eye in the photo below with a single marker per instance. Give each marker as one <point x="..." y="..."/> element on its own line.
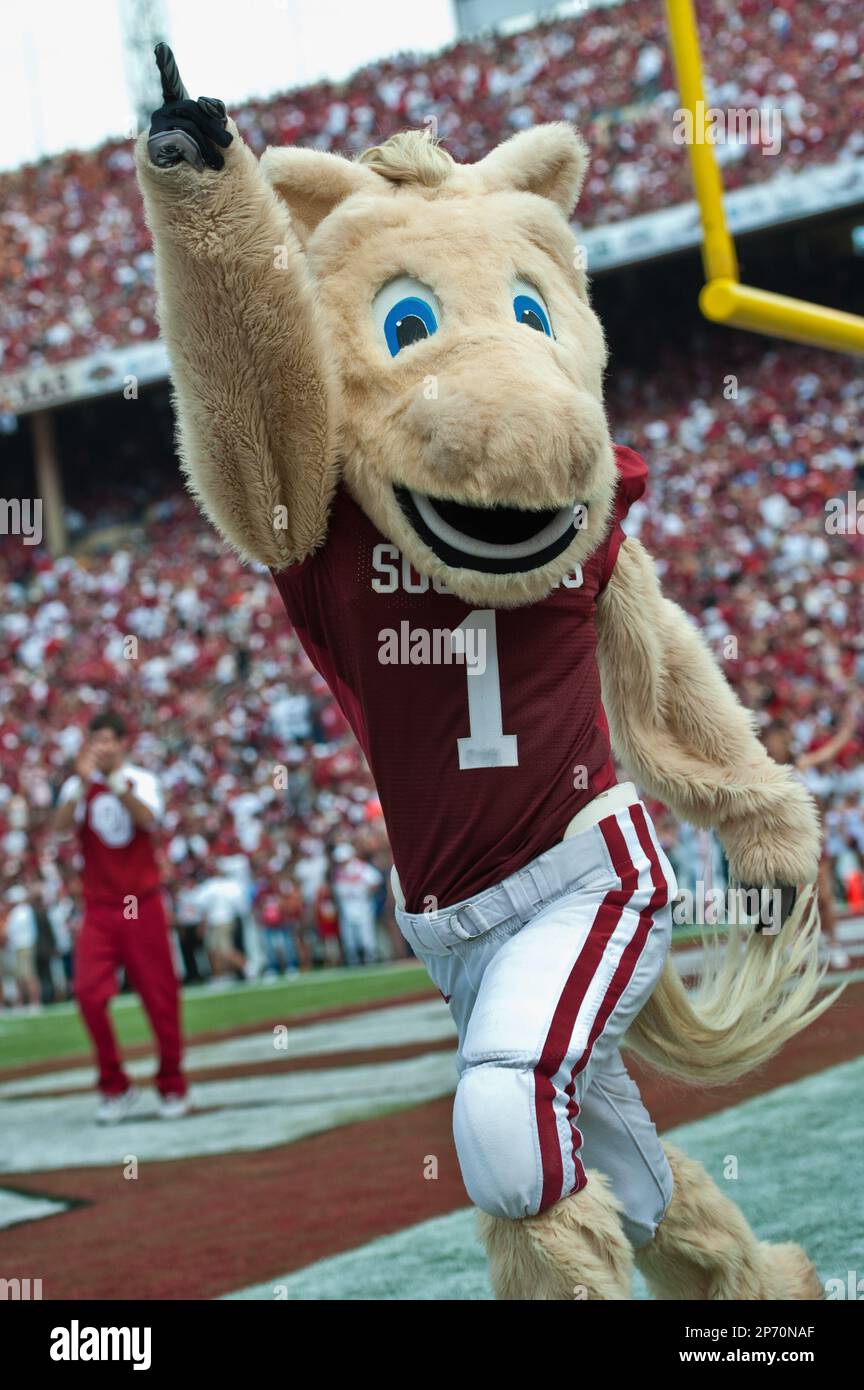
<point x="410" y="320"/>
<point x="405" y="311"/>
<point x="530" y="311"/>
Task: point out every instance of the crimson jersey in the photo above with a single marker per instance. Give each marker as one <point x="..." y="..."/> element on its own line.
<point x="119" y="858"/>
<point x="480" y="762"/>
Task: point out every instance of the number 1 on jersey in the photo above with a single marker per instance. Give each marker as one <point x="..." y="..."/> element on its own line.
<point x="486" y="745"/>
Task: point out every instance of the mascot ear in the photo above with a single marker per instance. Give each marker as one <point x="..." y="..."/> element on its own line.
<point x="549" y="160"/>
<point x="313" y="183"/>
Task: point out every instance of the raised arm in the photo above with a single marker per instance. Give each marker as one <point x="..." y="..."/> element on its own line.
<point x="686" y="738"/>
<point x="254" y="394"/>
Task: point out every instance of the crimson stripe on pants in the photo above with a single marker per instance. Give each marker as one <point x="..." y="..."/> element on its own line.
<point x="566" y="1013"/>
<point x="629" y="957"/>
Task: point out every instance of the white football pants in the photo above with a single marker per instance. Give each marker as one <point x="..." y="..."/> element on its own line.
<point x="543" y="974"/>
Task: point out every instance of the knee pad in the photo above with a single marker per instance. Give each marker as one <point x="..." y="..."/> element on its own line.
<point x="495" y="1134"/>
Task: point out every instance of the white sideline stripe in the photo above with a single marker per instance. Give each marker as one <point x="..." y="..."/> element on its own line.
<point x="254" y="1112"/>
<point x="689" y="963"/>
<point x="442" y="1259"/>
<point x="415" y="977"/>
<point x="850" y="932"/>
<point x="421" y="1023"/>
<point x="16" y="1207"/>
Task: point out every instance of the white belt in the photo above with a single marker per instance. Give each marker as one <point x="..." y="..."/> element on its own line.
<point x="608" y="803"/>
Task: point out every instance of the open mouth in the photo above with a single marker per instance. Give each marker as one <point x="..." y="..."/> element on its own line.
<point x="494" y="540"/>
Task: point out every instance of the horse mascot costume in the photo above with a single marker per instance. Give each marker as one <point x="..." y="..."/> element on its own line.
<point x="388" y="381"/>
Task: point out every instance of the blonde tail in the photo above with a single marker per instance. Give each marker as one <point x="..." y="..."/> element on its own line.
<point x="754" y="995"/>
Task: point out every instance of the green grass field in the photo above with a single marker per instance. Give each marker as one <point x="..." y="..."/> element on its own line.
<point x="788" y="1186"/>
<point x="795" y="1148"/>
<point x="58" y="1032"/>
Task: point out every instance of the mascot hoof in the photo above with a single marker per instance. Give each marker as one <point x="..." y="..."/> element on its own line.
<point x="704" y="1248"/>
<point x="575" y="1250"/>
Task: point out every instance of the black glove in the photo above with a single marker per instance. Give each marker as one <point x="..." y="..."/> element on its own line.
<point x="183" y="129"/>
<point x="187" y="130"/>
<point x="775" y="906"/>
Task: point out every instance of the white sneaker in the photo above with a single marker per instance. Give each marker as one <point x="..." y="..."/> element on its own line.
<point x="173" y="1107"/>
<point x="113" y="1109"/>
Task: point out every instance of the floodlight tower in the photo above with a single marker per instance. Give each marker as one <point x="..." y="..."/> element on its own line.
<point x="143" y="24"/>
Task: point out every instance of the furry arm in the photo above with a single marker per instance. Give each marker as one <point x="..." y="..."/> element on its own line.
<point x="253" y="391"/>
<point x="686" y="738"/>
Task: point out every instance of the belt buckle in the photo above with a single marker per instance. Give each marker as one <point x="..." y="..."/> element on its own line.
<point x="458" y="928"/>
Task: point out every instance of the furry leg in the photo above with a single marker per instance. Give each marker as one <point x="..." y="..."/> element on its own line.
<point x="704" y="1248"/>
<point x="576" y="1249"/>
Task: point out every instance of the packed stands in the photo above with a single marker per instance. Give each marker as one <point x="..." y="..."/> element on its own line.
<point x="257" y="763"/>
<point x="76" y="269"/>
<point x="256" y="759"/>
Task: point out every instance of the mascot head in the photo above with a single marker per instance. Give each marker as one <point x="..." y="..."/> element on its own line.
<point x="470" y="361"/>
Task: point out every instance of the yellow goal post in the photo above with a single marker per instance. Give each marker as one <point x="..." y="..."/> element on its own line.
<point x="723" y="298"/>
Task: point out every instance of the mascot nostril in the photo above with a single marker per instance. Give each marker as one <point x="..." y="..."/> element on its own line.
<point x="401" y="415"/>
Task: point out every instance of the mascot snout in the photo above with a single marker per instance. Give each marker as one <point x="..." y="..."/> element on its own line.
<point x="500" y="431"/>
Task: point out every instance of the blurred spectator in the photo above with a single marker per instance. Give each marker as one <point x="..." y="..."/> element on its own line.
<point x="21" y="941"/>
<point x="49" y="966"/>
<point x="221" y="904"/>
<point x="278" y="908"/>
<point x="327" y="925"/>
<point x="189" y="926"/>
<point x="355" y="888"/>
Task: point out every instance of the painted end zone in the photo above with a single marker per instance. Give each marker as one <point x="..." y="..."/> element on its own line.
<point x="301" y="1159"/>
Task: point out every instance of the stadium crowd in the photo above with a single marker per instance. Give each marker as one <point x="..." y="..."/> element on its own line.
<point x="756" y="473"/>
<point x="260" y="774"/>
<point x="274" y="847"/>
<point x="76" y="269"/>
<point x="273" y="842"/>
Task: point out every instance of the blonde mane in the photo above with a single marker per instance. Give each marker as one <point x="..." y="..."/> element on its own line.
<point x="411" y="156"/>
